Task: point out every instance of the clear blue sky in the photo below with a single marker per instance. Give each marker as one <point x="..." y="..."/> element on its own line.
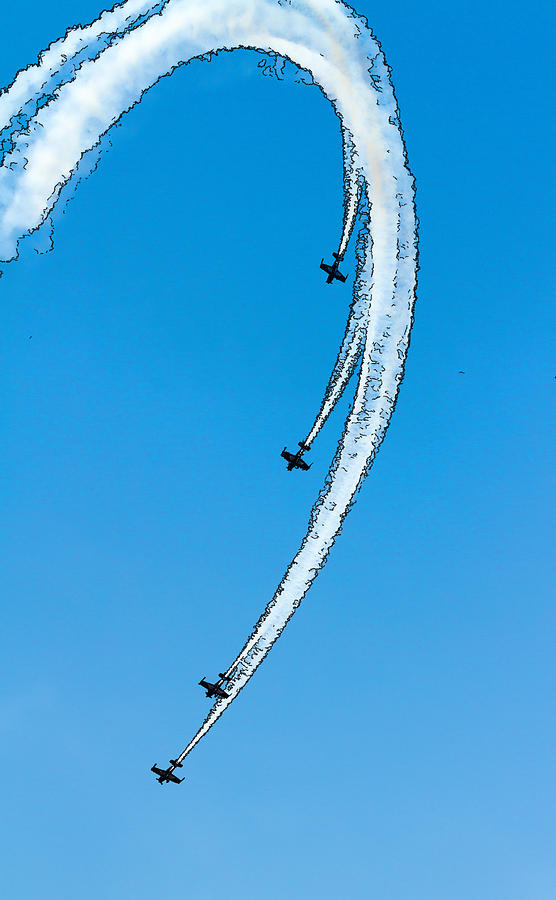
<point x="399" y="740"/>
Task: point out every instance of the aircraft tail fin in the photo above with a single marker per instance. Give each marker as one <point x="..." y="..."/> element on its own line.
<point x="176" y="764"/>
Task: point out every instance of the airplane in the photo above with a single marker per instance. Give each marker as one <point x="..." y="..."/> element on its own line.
<point x="165" y="776"/>
<point x="294" y="459"/>
<point x="216" y="690"/>
<point x="332" y="270"/>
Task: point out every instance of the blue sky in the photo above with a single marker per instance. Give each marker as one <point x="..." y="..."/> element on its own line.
<point x="399" y="739"/>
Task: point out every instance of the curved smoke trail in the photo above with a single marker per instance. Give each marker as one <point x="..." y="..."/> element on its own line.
<point x="57" y="112"/>
<point x="352" y="179"/>
<point x="352" y="343"/>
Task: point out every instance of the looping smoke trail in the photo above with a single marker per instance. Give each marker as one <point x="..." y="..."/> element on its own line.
<point x="30" y="88"/>
<point x="352" y="188"/>
<point x="56" y="112"/>
<point x="352" y="343"/>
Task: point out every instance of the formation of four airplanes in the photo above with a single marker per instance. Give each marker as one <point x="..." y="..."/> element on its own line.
<point x="294" y="461"/>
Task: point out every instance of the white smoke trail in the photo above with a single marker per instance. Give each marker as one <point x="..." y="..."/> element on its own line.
<point x="327" y="39"/>
<point x="34" y="80"/>
<point x="352" y="179"/>
<point x="352" y="343"/>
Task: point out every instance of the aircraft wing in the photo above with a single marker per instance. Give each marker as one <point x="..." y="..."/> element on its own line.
<point x="174" y="778"/>
<point x="340" y="276"/>
<point x="286" y="455"/>
<point x="221" y="693"/>
<point x="302" y="465"/>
